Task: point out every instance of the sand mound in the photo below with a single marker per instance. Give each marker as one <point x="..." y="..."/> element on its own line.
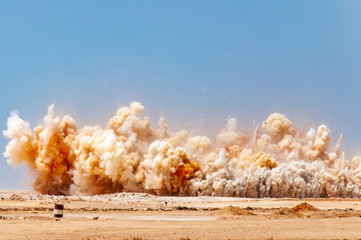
<point x="304" y="207"/>
<point x="16" y="197"/>
<point x="295" y="211"/>
<point x="233" y="211"/>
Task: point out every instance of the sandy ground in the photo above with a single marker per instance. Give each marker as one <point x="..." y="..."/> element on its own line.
<point x="27" y="215"/>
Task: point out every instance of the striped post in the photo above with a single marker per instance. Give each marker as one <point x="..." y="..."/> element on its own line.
<point x="58" y="210"/>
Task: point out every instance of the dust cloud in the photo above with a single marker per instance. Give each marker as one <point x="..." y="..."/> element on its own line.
<point x="129" y="155"/>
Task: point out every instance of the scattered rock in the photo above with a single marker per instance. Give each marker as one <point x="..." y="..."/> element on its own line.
<point x="96" y="218"/>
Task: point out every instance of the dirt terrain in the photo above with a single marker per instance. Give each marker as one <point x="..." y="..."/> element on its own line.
<point x="27" y="215"/>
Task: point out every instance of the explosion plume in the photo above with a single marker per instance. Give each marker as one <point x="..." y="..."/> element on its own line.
<point x="129" y="155"/>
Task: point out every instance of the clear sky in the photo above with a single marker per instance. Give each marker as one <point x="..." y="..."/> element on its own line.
<point x="197" y="63"/>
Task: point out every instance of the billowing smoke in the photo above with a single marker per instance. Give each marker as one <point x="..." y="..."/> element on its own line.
<point x="129" y="155"/>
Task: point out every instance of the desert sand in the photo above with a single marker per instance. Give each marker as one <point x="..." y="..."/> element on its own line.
<point x="27" y="215"/>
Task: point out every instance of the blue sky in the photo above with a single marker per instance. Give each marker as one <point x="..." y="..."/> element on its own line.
<point x="197" y="63"/>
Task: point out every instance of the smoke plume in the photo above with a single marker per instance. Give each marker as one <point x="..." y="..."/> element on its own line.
<point x="129" y="155"/>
